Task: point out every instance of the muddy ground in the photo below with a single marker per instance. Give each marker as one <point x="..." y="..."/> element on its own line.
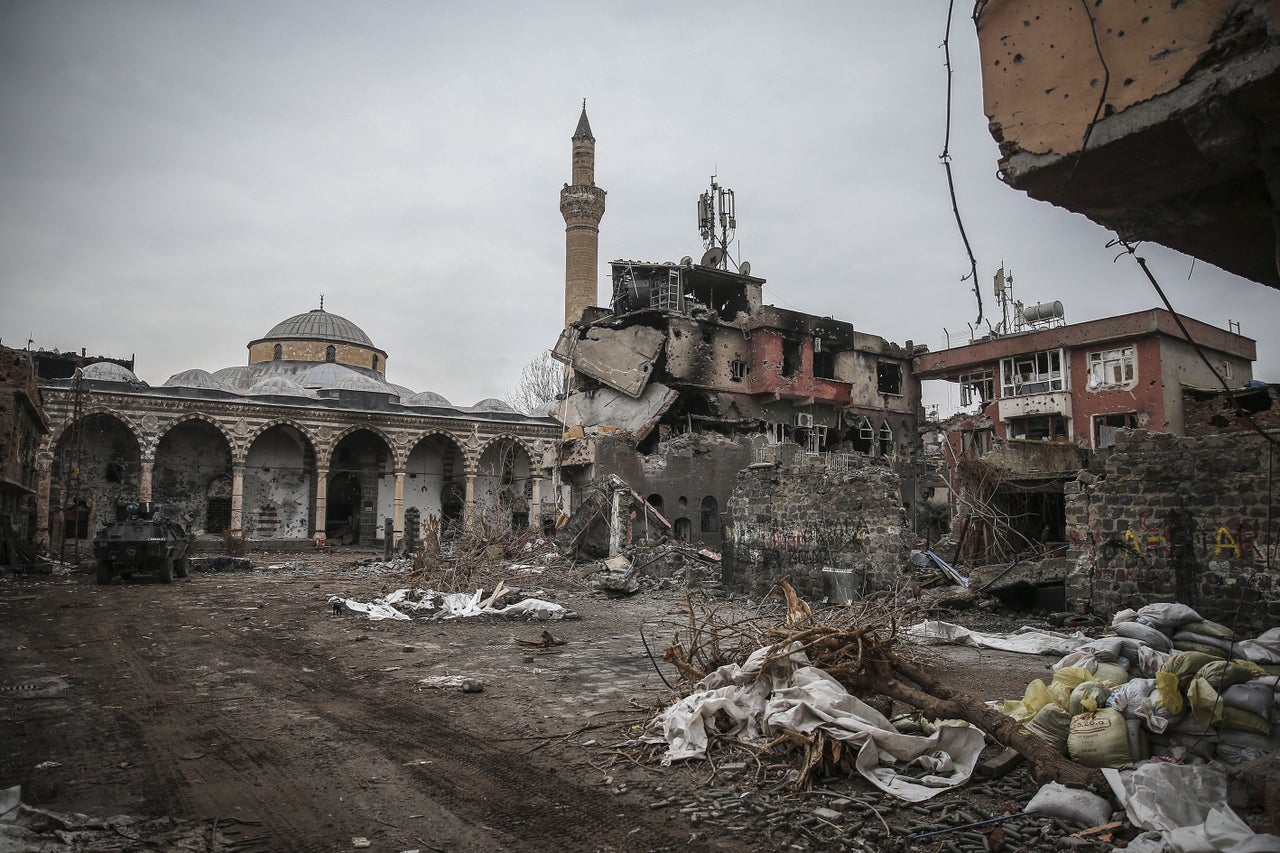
<point x="241" y="701"/>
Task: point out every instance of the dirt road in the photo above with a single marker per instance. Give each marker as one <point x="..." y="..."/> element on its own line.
<point x="240" y="697"/>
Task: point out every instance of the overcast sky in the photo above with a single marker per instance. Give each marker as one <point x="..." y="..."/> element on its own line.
<point x="178" y="176"/>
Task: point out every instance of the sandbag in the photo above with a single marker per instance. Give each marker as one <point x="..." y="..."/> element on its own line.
<point x="1052" y="725"/>
<point x="1111" y="673"/>
<point x="1099" y="739"/>
<point x="1210" y="708"/>
<point x="1185" y="665"/>
<point x="1089" y="696"/>
<point x="1065" y="680"/>
<point x="1033" y="699"/>
<point x="1140" y="699"/>
<point x="1256" y="697"/>
<point x="1265" y="648"/>
<point x="1075" y="804"/>
<point x="1209" y="629"/>
<point x="1139" y="748"/>
<point x="1225" y="647"/>
<point x="1200" y="648"/>
<point x="1167" y="615"/>
<point x="1152" y="637"/>
<point x="1222" y="674"/>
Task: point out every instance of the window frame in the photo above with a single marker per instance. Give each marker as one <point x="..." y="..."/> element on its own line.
<point x="1113" y="368"/>
<point x="1034" y="373"/>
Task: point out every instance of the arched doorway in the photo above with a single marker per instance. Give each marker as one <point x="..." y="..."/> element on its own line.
<point x="709" y="516"/>
<point x="342" y="515"/>
<point x="683" y="529"/>
<point x="434" y="479"/>
<point x="193" y="468"/>
<point x="96" y="468"/>
<point x="503" y="486"/>
<point x="280" y="485"/>
<point x="218" y="505"/>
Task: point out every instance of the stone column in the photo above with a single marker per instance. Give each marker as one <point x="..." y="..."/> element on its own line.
<point x="535" y="503"/>
<point x="397" y="512"/>
<point x="144" y="479"/>
<point x="44" y="485"/>
<point x="468" y="506"/>
<point x="237" y="498"/>
<point x="322" y="491"/>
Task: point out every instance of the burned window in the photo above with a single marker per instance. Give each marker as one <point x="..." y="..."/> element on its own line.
<point x="889" y="378"/>
<point x="1105" y="427"/>
<point x="738" y="370"/>
<point x="790" y="357"/>
<point x="977" y="386"/>
<point x="1032" y="373"/>
<point x="824" y="361"/>
<point x="331" y="353"/>
<point x="277" y="352"/>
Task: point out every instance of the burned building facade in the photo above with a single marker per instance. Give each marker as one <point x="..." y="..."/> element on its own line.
<point x="308" y="439"/>
<point x="22" y="427"/>
<point x="684" y="380"/>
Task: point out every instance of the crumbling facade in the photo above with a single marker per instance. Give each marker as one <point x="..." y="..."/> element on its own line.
<point x="22" y="427"/>
<point x="1157" y="120"/>
<point x="688" y="349"/>
<point x="1183" y="519"/>
<point x="307" y="440"/>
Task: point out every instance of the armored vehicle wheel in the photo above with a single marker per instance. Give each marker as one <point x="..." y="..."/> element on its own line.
<point x="104" y="573"/>
<point x="166" y="570"/>
<point x="181" y="567"/>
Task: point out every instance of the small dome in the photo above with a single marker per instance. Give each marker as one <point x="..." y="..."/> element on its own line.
<point x="195" y="378"/>
<point x="281" y="386"/>
<point x="404" y="392"/>
<point x="324" y="375"/>
<point x="359" y="382"/>
<point x="319" y="324"/>
<point x="105" y="371"/>
<point x="428" y="398"/>
<point x="492" y="404"/>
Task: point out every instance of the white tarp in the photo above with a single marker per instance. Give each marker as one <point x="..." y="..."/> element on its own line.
<point x="1026" y="640"/>
<point x="453" y="605"/>
<point x="776" y="690"/>
<point x="1187" y="805"/>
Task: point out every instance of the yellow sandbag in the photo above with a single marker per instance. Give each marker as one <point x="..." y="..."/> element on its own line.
<point x="1100" y="739"/>
<point x="1222" y="674"/>
<point x="1167" y="695"/>
<point x="1035" y="698"/>
<point x="1185" y="665"/>
<point x="1089" y="696"/>
<point x="1072" y="677"/>
<point x="1209" y="629"/>
<point x="1251" y="666"/>
<point x="1111" y="673"/>
<point x="1206" y="704"/>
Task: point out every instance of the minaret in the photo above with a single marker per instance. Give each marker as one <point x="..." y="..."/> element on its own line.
<point x="582" y="206"/>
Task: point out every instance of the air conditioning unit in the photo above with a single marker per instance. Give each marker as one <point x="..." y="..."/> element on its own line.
<point x="804" y="419"/>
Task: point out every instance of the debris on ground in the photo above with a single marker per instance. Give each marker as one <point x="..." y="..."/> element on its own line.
<point x="407" y="603"/>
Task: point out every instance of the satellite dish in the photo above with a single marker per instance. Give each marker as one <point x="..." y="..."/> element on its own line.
<point x="745" y="268"/>
<point x="686" y="261"/>
<point x="713" y="257"/>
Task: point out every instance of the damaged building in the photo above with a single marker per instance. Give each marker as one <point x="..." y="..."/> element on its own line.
<point x="307" y="440"/>
<point x="23" y="425"/>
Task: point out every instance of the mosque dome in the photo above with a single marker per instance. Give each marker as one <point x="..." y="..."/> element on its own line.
<point x="106" y="371"/>
<point x="281" y="386"/>
<point x="492" y="404"/>
<point x="324" y="375"/>
<point x="359" y="382"/>
<point x="195" y="378"/>
<point x="318" y="324"/>
<point x="428" y="398"/>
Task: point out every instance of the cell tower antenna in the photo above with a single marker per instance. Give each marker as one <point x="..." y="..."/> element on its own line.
<point x="717" y="223"/>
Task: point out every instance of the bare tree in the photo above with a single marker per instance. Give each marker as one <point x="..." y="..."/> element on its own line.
<point x="541" y="381"/>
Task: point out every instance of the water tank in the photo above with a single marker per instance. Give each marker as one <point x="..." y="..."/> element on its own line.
<point x="1042" y="312"/>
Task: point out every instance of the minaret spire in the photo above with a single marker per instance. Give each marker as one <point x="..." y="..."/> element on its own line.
<point x="582" y="205"/>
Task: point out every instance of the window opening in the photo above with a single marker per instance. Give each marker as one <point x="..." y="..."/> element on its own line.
<point x="277" y="352"/>
<point x="889" y="378"/>
<point x="1105" y="427"/>
<point x="75" y="521"/>
<point x="1033" y="373"/>
<point x="738" y="370"/>
<point x="886" y="440"/>
<point x="1113" y="368"/>
<point x="824" y="361"/>
<point x="790" y="357"/>
<point x="218" y="505"/>
<point x="1038" y="428"/>
<point x="710" y="515"/>
<point x="331" y="353"/>
<point x="375" y="361"/>
<point x="978" y="386"/>
<point x="655" y="501"/>
<point x="683" y="529"/>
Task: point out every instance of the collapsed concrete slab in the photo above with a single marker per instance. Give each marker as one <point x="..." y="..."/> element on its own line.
<point x="604" y="409"/>
<point x="620" y="358"/>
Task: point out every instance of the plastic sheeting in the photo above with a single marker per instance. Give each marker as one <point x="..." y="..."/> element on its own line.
<point x="454" y="605"/>
<point x="776" y="690"/>
<point x="1031" y="641"/>
<point x="1187" y="805"/>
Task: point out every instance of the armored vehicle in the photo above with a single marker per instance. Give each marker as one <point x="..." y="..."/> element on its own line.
<point x="141" y="543"/>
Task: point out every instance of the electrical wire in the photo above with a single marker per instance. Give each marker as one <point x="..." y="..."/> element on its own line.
<point x="1102" y="98"/>
<point x="945" y="157"/>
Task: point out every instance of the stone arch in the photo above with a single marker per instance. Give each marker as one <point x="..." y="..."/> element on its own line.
<point x="435" y="467"/>
<point x="188" y="456"/>
<point x="306" y="433"/>
<point x="109" y="460"/>
<point x="525" y="444"/>
<point x="503" y="482"/>
<point x="373" y="428"/>
<point x="361" y="484"/>
<point x="279" y="481"/>
<point x="198" y="416"/>
<point x="55" y="434"/>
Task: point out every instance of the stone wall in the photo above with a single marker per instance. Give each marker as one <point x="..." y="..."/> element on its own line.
<point x="1179" y="519"/>
<point x="1213" y="412"/>
<point x="792" y="519"/>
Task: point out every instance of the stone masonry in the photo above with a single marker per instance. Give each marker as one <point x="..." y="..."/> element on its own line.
<point x="794" y="518"/>
<point x="1179" y="519"/>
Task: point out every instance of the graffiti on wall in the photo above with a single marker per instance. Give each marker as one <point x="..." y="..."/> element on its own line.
<point x="814" y="543"/>
<point x="1175" y="535"/>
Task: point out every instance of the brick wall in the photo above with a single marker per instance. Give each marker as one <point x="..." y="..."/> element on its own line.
<point x="1193" y="520"/>
<point x="791" y="520"/>
<point x="1212" y="413"/>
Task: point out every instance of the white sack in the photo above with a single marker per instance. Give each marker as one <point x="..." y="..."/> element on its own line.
<point x="1031" y="641"/>
<point x="1265" y="649"/>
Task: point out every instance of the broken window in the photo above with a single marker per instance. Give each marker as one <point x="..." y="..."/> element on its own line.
<point x="824" y="360"/>
<point x="977" y="386"/>
<point x="1105" y="427"/>
<point x="886" y="439"/>
<point x="862" y="436"/>
<point x="790" y="357"/>
<point x="1113" y="368"/>
<point x="889" y="377"/>
<point x="375" y="361"/>
<point x="277" y="352"/>
<point x="1226" y="370"/>
<point x="1039" y="427"/>
<point x="710" y="515"/>
<point x="738" y="370"/>
<point x="1033" y="373"/>
<point x="331" y="353"/>
<point x="655" y="501"/>
<point x="683" y="529"/>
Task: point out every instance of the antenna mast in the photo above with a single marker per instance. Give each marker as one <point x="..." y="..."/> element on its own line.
<point x="716" y="207"/>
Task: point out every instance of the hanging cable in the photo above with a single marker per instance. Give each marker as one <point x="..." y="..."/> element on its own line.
<point x="1102" y="97"/>
<point x="945" y="157"/>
